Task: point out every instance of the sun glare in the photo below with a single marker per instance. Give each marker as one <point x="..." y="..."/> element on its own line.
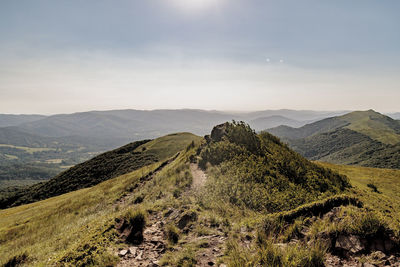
<point x="197" y="5"/>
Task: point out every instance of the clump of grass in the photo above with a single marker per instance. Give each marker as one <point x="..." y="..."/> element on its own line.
<point x="184" y="258"/>
<point x="136" y="221"/>
<point x="17" y="260"/>
<point x="138" y="199"/>
<point x="177" y="193"/>
<point x="373" y="187"/>
<point x="273" y="225"/>
<point x="270" y="254"/>
<point x="362" y="222"/>
<point x="293" y="231"/>
<point x="237" y="256"/>
<point x="201" y="230"/>
<point x="136" y="218"/>
<point x="172" y="233"/>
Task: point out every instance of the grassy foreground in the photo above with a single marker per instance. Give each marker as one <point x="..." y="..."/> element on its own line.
<point x="77" y="228"/>
<point x="387" y="182"/>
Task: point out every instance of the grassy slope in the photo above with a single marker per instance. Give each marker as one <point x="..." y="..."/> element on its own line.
<point x="365" y="138"/>
<point x="370" y="123"/>
<point x="387" y="182"/>
<point x="168" y="145"/>
<point x="375" y="125"/>
<point x="103" y="167"/>
<point x="58" y="227"/>
<point x="47" y="228"/>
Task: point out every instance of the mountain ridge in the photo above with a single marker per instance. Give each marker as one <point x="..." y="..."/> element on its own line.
<point x="365" y="138"/>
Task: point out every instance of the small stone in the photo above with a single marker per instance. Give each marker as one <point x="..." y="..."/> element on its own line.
<point x="379" y="255"/>
<point x="133" y="251"/>
<point x="123" y="252"/>
<point x="368" y="265"/>
<point x="139" y="255"/>
<point x="222" y="265"/>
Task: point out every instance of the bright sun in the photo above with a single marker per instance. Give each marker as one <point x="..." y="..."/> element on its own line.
<point x="197" y="5"/>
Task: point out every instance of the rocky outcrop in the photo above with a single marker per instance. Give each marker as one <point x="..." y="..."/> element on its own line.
<point x="218" y="132"/>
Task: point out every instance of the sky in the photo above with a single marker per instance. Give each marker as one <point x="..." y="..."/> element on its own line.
<point x="67" y="56"/>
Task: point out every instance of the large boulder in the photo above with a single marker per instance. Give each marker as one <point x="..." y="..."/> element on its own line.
<point x="219" y="131"/>
<point x="350" y="243"/>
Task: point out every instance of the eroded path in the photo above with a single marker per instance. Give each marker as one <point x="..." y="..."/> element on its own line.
<point x="150" y="251"/>
<point x="199" y="177"/>
<point x="155" y="243"/>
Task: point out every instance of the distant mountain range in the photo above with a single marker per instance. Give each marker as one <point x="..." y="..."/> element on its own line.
<point x="13" y="120"/>
<point x="130" y="125"/>
<point x="33" y="146"/>
<point x="365" y="138"/>
<point x="395" y="116"/>
<point x="50" y="144"/>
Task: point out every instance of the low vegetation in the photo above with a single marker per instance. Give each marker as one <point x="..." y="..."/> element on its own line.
<point x="261" y="173"/>
<point x="261" y="205"/>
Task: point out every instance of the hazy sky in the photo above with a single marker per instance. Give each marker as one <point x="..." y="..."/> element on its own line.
<point x="67" y="56"/>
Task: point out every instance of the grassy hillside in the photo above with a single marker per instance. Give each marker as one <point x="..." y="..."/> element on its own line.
<point x="14" y="120"/>
<point x="387" y="182"/>
<point x="365" y="138"/>
<point x="374" y="125"/>
<point x="103" y="167"/>
<point x="265" y="173"/>
<point x="370" y="123"/>
<point x="45" y="230"/>
<point x="344" y="146"/>
<point x="261" y="204"/>
<point x="76" y="228"/>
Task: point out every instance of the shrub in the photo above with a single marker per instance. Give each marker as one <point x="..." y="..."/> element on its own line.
<point x="172" y="233"/>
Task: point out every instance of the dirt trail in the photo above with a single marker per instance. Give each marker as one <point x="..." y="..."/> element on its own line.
<point x="199" y="177"/>
<point x="155" y="244"/>
<point x="150" y="251"/>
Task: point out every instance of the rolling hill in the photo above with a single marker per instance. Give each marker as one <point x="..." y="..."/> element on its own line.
<point x="14" y="120"/>
<point x="364" y="138"/>
<point x="263" y="123"/>
<point x="102" y="167"/>
<point x="257" y="203"/>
